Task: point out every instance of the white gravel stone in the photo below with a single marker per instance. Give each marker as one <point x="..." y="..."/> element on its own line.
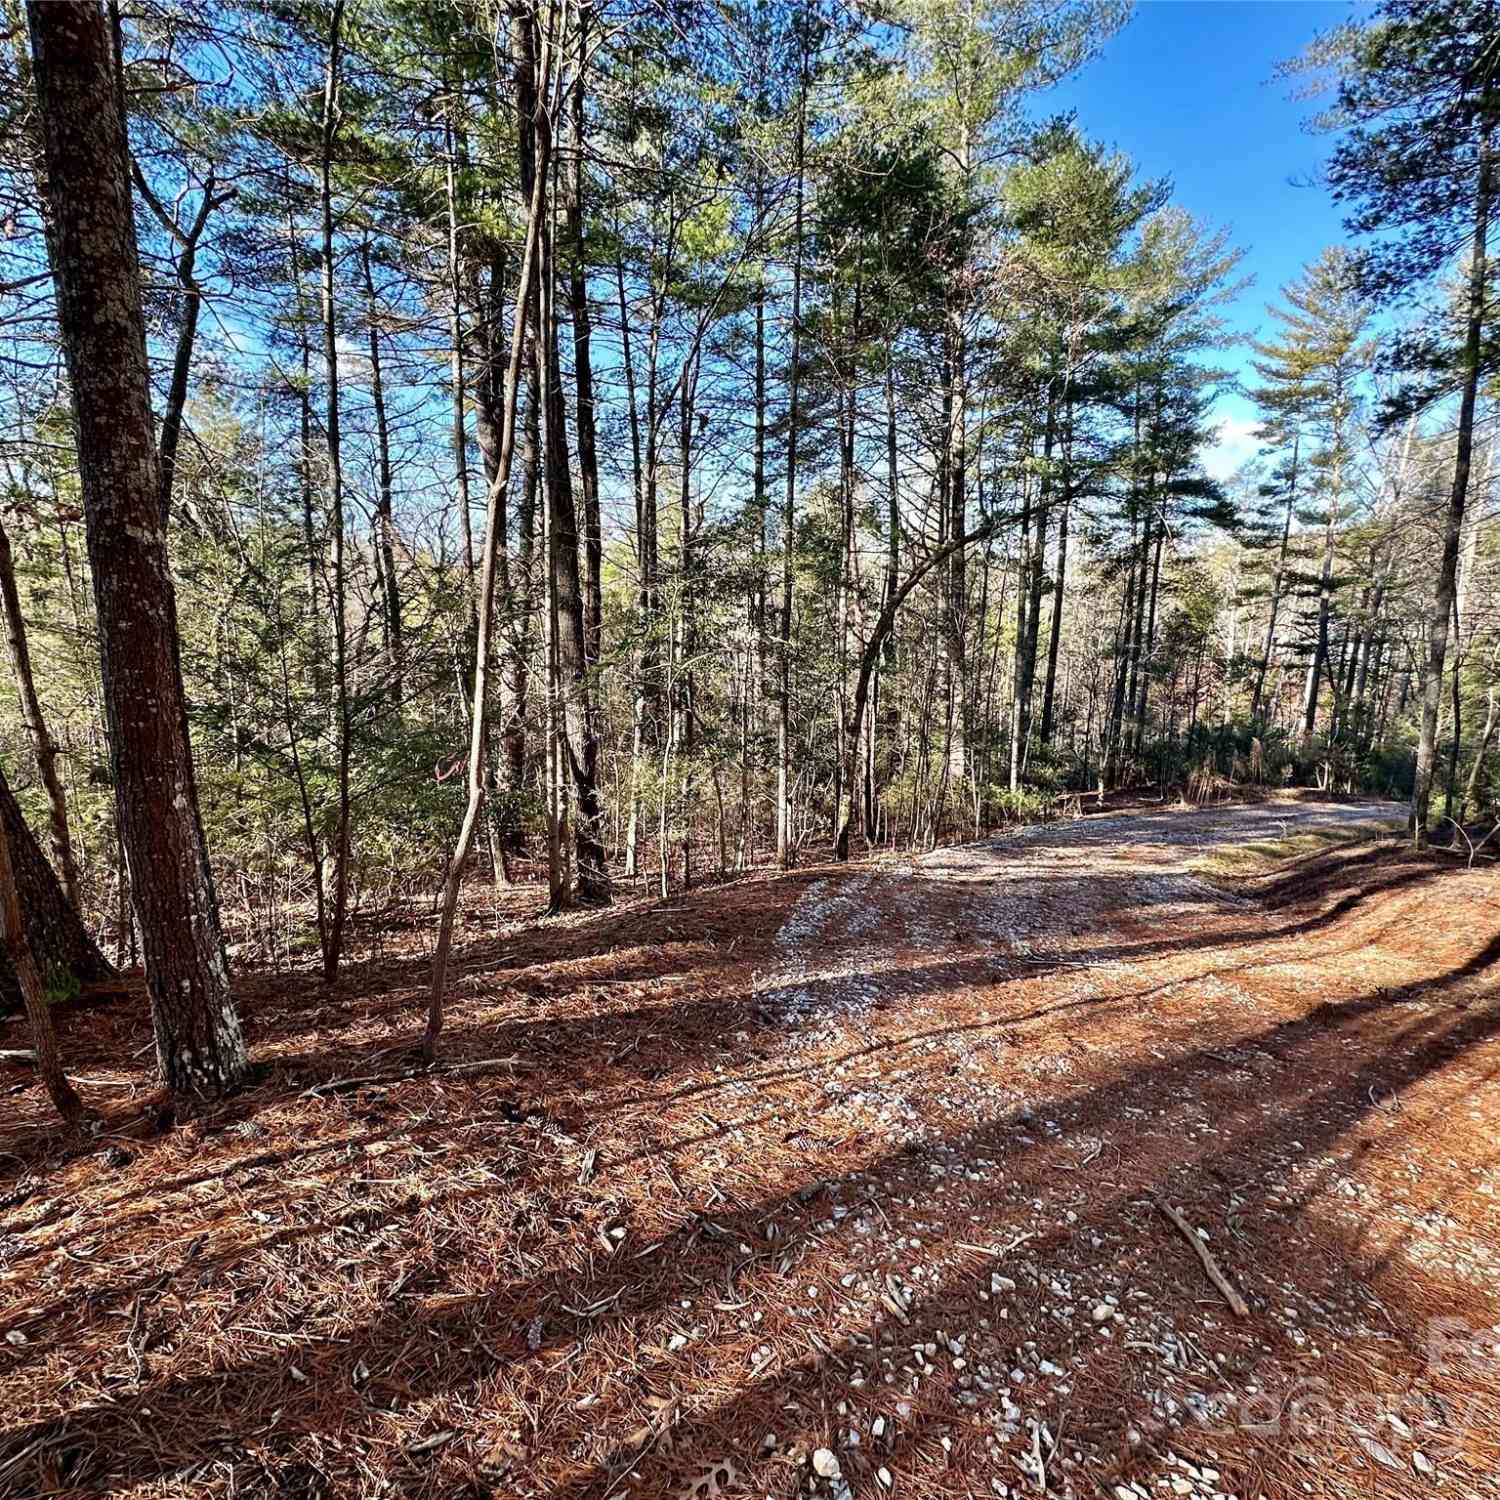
<point x="825" y="1464"/>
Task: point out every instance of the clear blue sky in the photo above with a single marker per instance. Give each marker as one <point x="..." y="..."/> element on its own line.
<point x="1188" y="91"/>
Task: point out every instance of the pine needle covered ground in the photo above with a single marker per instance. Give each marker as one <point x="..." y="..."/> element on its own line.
<point x="845" y="1182"/>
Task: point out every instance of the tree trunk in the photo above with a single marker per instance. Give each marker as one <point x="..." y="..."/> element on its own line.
<point x="1029" y="602"/>
<point x="1257" y="696"/>
<point x="187" y="323"/>
<point x="303" y="395"/>
<point x="1018" y="660"/>
<point x="887" y="720"/>
<point x="1471" y="787"/>
<point x="579" y="728"/>
<point x="955" y="467"/>
<point x="333" y="950"/>
<point x="755" y="663"/>
<point x="583" y="370"/>
<point x="59" y="942"/>
<point x="1149" y="639"/>
<point x="1441" y="610"/>
<point x="458" y="434"/>
<point x="1320" y="647"/>
<point x="643" y="594"/>
<point x="1059" y="581"/>
<point x="494" y="512"/>
<point x="22" y="962"/>
<point x="518" y="752"/>
<point x="1138" y="634"/>
<point x="96" y="266"/>
<point x="789" y="509"/>
<point x="43" y="746"/>
<point x="385" y="520"/>
<point x="1455" y="742"/>
<point x="1114" y="726"/>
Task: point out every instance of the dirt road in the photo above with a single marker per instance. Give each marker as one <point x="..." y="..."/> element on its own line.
<point x="1134" y="1031"/>
<point x="1067" y="892"/>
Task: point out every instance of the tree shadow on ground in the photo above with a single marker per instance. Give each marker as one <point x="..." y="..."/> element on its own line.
<point x="524" y="1332"/>
<point x="624" y="1050"/>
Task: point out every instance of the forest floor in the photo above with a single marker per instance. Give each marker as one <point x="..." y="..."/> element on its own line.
<point x="846" y="1182"/>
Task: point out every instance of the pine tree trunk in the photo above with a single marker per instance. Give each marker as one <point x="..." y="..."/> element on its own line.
<point x="755" y="665"/>
<point x="583" y="370"/>
<point x="43" y="746"/>
<point x="1257" y="696"/>
<point x="1471" y="787"/>
<point x="1441" y="609"/>
<point x="955" y="464"/>
<point x="334" y="948"/>
<point x="579" y="727"/>
<point x="485" y="622"/>
<point x="1059" y="581"/>
<point x="18" y="955"/>
<point x="303" y="394"/>
<point x="1113" y="727"/>
<point x="1018" y="660"/>
<point x="385" y="519"/>
<point x="643" y="601"/>
<point x="789" y="510"/>
<point x="1455" y="740"/>
<point x="1320" y="646"/>
<point x="458" y="436"/>
<point x="1029" y="614"/>
<point x="188" y="313"/>
<point x="1138" y="635"/>
<point x="96" y="266"/>
<point x="1149" y="640"/>
<point x="59" y="942"/>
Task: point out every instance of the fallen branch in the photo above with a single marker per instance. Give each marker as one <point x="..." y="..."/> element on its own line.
<point x="340" y="1085"/>
<point x="436" y="1070"/>
<point x="1215" y="1275"/>
<point x="1473" y="847"/>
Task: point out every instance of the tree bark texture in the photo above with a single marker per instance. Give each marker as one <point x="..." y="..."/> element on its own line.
<point x="96" y="266"/>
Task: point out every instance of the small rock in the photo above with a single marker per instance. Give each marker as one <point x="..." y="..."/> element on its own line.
<point x="884" y="1476"/>
<point x="1102" y="1310"/>
<point x="1379" y="1452"/>
<point x="825" y="1464"/>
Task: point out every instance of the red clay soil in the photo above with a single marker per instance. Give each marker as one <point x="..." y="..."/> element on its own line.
<point x="860" y="1160"/>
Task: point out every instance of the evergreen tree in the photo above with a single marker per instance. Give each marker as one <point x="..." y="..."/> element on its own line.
<point x="1418" y="102"/>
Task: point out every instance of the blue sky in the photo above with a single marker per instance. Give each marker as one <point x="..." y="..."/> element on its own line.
<point x="1188" y="91"/>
